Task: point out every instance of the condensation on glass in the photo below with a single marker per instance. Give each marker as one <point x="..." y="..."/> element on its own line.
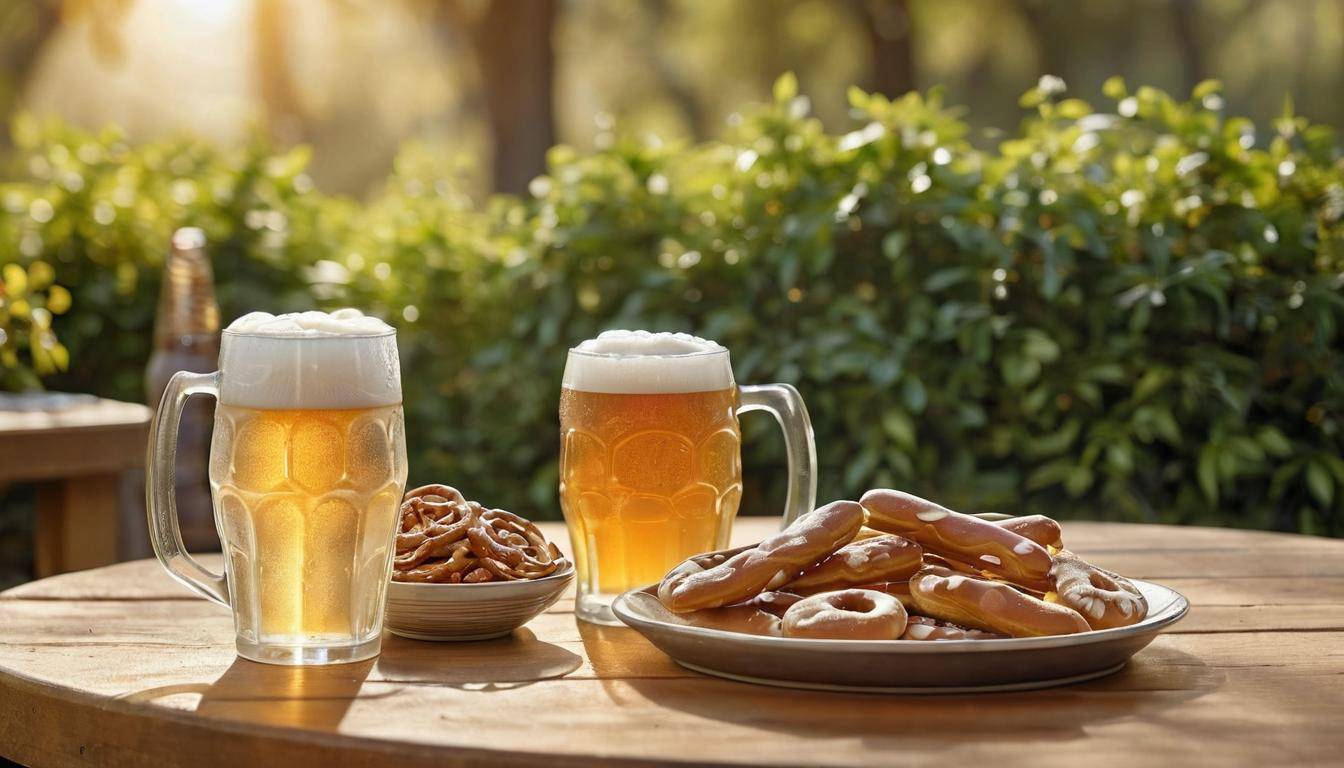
<point x="307" y="469"/>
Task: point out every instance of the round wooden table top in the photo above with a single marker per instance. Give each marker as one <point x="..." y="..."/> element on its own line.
<point x="121" y="666"/>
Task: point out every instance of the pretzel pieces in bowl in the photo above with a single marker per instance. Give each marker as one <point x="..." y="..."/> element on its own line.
<point x="445" y="539"/>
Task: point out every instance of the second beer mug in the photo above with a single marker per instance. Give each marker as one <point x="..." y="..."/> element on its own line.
<point x="650" y="457"/>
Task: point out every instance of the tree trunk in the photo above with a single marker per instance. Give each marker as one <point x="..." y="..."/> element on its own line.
<point x="25" y="28"/>
<point x="516" y="58"/>
<point x="891" y="42"/>
<point x="1184" y="18"/>
<point x="279" y="98"/>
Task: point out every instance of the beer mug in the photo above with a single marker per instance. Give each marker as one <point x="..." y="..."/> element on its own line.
<point x="650" y="457"/>
<point x="307" y="470"/>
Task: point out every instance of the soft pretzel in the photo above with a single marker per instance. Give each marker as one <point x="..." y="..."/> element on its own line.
<point x="736" y="618"/>
<point x="989" y="605"/>
<point x="1039" y="528"/>
<point x="774" y="602"/>
<point x="924" y="628"/>
<point x="897" y="589"/>
<point x="969" y="539"/>
<point x="1105" y="599"/>
<point x="850" y="614"/>
<point x="876" y="559"/>
<point x="695" y="584"/>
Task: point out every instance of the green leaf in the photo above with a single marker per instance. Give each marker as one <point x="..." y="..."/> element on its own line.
<point x="1207" y="473"/>
<point x="1274" y="442"/>
<point x="946" y="278"/>
<point x="858" y="98"/>
<point x="912" y="392"/>
<point x="899" y="428"/>
<point x="1114" y="88"/>
<point x="1206" y="88"/>
<point x="1320" y="484"/>
<point x="786" y="87"/>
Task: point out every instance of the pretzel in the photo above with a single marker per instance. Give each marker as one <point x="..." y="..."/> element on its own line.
<point x="872" y="560"/>
<point x="924" y="628"/>
<point x="444" y="538"/>
<point x="744" y="618"/>
<point x="697" y="583"/>
<point x="850" y="614"/>
<point x="774" y="602"/>
<point x="1105" y="599"/>
<point x="969" y="539"/>
<point x="1039" y="528"/>
<point x="897" y="589"/>
<point x="989" y="605"/>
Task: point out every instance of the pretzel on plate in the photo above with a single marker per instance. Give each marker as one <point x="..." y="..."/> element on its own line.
<point x="849" y="614"/>
<point x="965" y="538"/>
<point x="872" y="560"/>
<point x="699" y="583"/>
<point x="1039" y="528"/>
<point x="924" y="628"/>
<point x="991" y="606"/>
<point x="1105" y="599"/>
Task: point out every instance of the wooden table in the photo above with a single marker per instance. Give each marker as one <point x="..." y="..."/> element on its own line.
<point x="76" y="455"/>
<point x="121" y="666"/>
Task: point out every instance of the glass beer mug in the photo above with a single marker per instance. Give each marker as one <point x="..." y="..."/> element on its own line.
<point x="650" y="457"/>
<point x="307" y="471"/>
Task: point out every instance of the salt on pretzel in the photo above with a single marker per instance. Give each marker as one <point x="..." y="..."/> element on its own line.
<point x="991" y="606"/>
<point x="968" y="539"/>
<point x="925" y="628"/>
<point x="1105" y="599"/>
<point x="873" y="560"/>
<point x="1039" y="528"/>
<point x="695" y="585"/>
<point x="774" y="602"/>
<point x="848" y="614"/>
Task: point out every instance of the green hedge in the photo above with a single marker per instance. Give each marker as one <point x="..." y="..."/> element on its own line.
<point x="1127" y="314"/>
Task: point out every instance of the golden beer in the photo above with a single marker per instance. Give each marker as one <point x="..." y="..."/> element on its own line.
<point x="307" y="468"/>
<point x="646" y="480"/>
<point x="307" y="502"/>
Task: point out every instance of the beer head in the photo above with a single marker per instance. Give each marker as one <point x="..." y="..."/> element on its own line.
<point x="309" y="360"/>
<point x="640" y="362"/>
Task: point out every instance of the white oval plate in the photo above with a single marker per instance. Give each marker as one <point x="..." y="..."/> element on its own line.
<point x="901" y="666"/>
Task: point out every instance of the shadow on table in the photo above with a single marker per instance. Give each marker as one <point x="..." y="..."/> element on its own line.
<point x="299" y="697"/>
<point x="1158" y="679"/>
<point x="513" y="661"/>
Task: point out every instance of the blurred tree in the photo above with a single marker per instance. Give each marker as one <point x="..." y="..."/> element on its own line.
<point x="1184" y="25"/>
<point x="515" y="58"/>
<point x="891" y="39"/>
<point x="285" y="117"/>
<point x="25" y="28"/>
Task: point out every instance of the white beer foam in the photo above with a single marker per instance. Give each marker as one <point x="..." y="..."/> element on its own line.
<point x="342" y="359"/>
<point x="644" y="363"/>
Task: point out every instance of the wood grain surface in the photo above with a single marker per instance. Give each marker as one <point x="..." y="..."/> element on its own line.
<point x="122" y="666"/>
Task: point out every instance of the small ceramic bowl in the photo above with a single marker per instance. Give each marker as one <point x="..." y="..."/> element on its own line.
<point x="470" y="611"/>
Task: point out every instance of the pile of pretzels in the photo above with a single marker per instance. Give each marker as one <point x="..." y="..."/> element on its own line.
<point x="897" y="567"/>
<point x="445" y="539"/>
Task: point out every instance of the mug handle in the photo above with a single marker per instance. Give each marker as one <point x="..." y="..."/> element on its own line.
<point x="165" y="532"/>
<point x="786" y="405"/>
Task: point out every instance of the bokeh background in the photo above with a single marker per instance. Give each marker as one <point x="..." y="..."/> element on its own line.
<point x="1091" y="268"/>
